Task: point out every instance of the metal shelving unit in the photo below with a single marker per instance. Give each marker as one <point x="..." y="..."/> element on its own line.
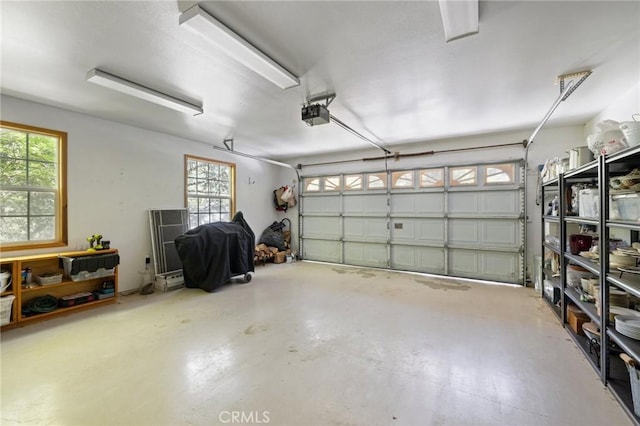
<point x="607" y="363"/>
<point x="617" y="376"/>
<point x="555" y="299"/>
<point x="588" y="173"/>
<point x="587" y="308"/>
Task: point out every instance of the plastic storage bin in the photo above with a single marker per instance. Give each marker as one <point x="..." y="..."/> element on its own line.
<point x="6" y="305"/>
<point x="588" y="200"/>
<point x="625" y="206"/>
<point x="49" y="279"/>
<point x="85" y="275"/>
<point x="89" y="267"/>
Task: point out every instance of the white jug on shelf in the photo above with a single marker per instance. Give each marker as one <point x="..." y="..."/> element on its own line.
<point x="631" y="131"/>
<point x="579" y="156"/>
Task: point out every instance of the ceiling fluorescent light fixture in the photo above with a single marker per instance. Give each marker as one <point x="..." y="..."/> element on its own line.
<point x="120" y="84"/>
<point x="199" y="21"/>
<point x="459" y="18"/>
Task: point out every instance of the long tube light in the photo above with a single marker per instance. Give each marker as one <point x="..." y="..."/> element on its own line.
<point x="200" y="22"/>
<point x="459" y="18"/>
<point x="120" y="84"/>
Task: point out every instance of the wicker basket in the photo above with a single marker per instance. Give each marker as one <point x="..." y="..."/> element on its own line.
<point x="280" y="257"/>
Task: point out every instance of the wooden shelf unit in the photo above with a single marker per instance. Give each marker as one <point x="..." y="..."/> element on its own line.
<point x="51" y="263"/>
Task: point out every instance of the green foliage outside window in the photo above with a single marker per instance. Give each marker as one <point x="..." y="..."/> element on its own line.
<point x="209" y="191"/>
<point x="30" y="187"/>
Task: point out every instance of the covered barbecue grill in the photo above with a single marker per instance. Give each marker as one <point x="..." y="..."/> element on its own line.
<point x="213" y="253"/>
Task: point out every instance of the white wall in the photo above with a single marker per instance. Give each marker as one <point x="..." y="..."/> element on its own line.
<point x="550" y="143"/>
<point x="620" y="109"/>
<point x="116" y="173"/>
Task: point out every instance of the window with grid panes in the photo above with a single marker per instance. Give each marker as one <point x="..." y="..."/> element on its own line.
<point x="32" y="187"/>
<point x="210" y="190"/>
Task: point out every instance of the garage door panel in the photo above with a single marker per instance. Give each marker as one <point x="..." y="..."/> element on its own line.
<point x="489" y="265"/>
<point x="365" y="254"/>
<point x="464" y="203"/>
<point x="464" y="232"/>
<point x="368" y="204"/>
<point x="464" y="262"/>
<point x="359" y="228"/>
<point x="323" y="204"/>
<point x="323" y="251"/>
<point x="488" y="232"/>
<point x="416" y="203"/>
<point x="497" y="265"/>
<point x="471" y="231"/>
<point x="418" y="259"/>
<point x="500" y="203"/>
<point x="496" y="203"/>
<point x="322" y="227"/>
<point x="428" y="231"/>
<point x="501" y="233"/>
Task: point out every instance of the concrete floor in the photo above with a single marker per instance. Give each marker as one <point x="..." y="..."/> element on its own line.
<point x="307" y="344"/>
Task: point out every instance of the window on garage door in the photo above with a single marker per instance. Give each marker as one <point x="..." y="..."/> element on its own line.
<point x="402" y="179"/>
<point x="377" y="180"/>
<point x="353" y="182"/>
<point x="499" y="174"/>
<point x="431" y="178"/>
<point x="312" y="184"/>
<point x="460" y="176"/>
<point x="332" y="183"/>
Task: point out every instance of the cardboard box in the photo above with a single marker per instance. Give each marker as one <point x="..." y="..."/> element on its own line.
<point x="280" y="257"/>
<point x="575" y="319"/>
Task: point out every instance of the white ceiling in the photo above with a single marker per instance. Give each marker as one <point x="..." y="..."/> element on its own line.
<point x="396" y="79"/>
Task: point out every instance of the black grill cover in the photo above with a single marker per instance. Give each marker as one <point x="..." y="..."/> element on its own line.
<point x="213" y="253"/>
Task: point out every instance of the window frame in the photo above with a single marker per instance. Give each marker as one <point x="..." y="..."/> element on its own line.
<point x="308" y="182"/>
<point x="425" y="172"/>
<point x="351" y="186"/>
<point x="512" y="175"/>
<point x="380" y="176"/>
<point x="400" y="176"/>
<point x="456" y="183"/>
<point x="328" y="184"/>
<point x="232" y="183"/>
<point x="61" y="237"/>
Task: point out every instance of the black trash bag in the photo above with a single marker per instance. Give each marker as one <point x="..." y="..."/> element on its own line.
<point x="278" y="226"/>
<point x="273" y="239"/>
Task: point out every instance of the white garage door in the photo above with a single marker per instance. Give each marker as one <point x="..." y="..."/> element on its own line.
<point x="464" y="221"/>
